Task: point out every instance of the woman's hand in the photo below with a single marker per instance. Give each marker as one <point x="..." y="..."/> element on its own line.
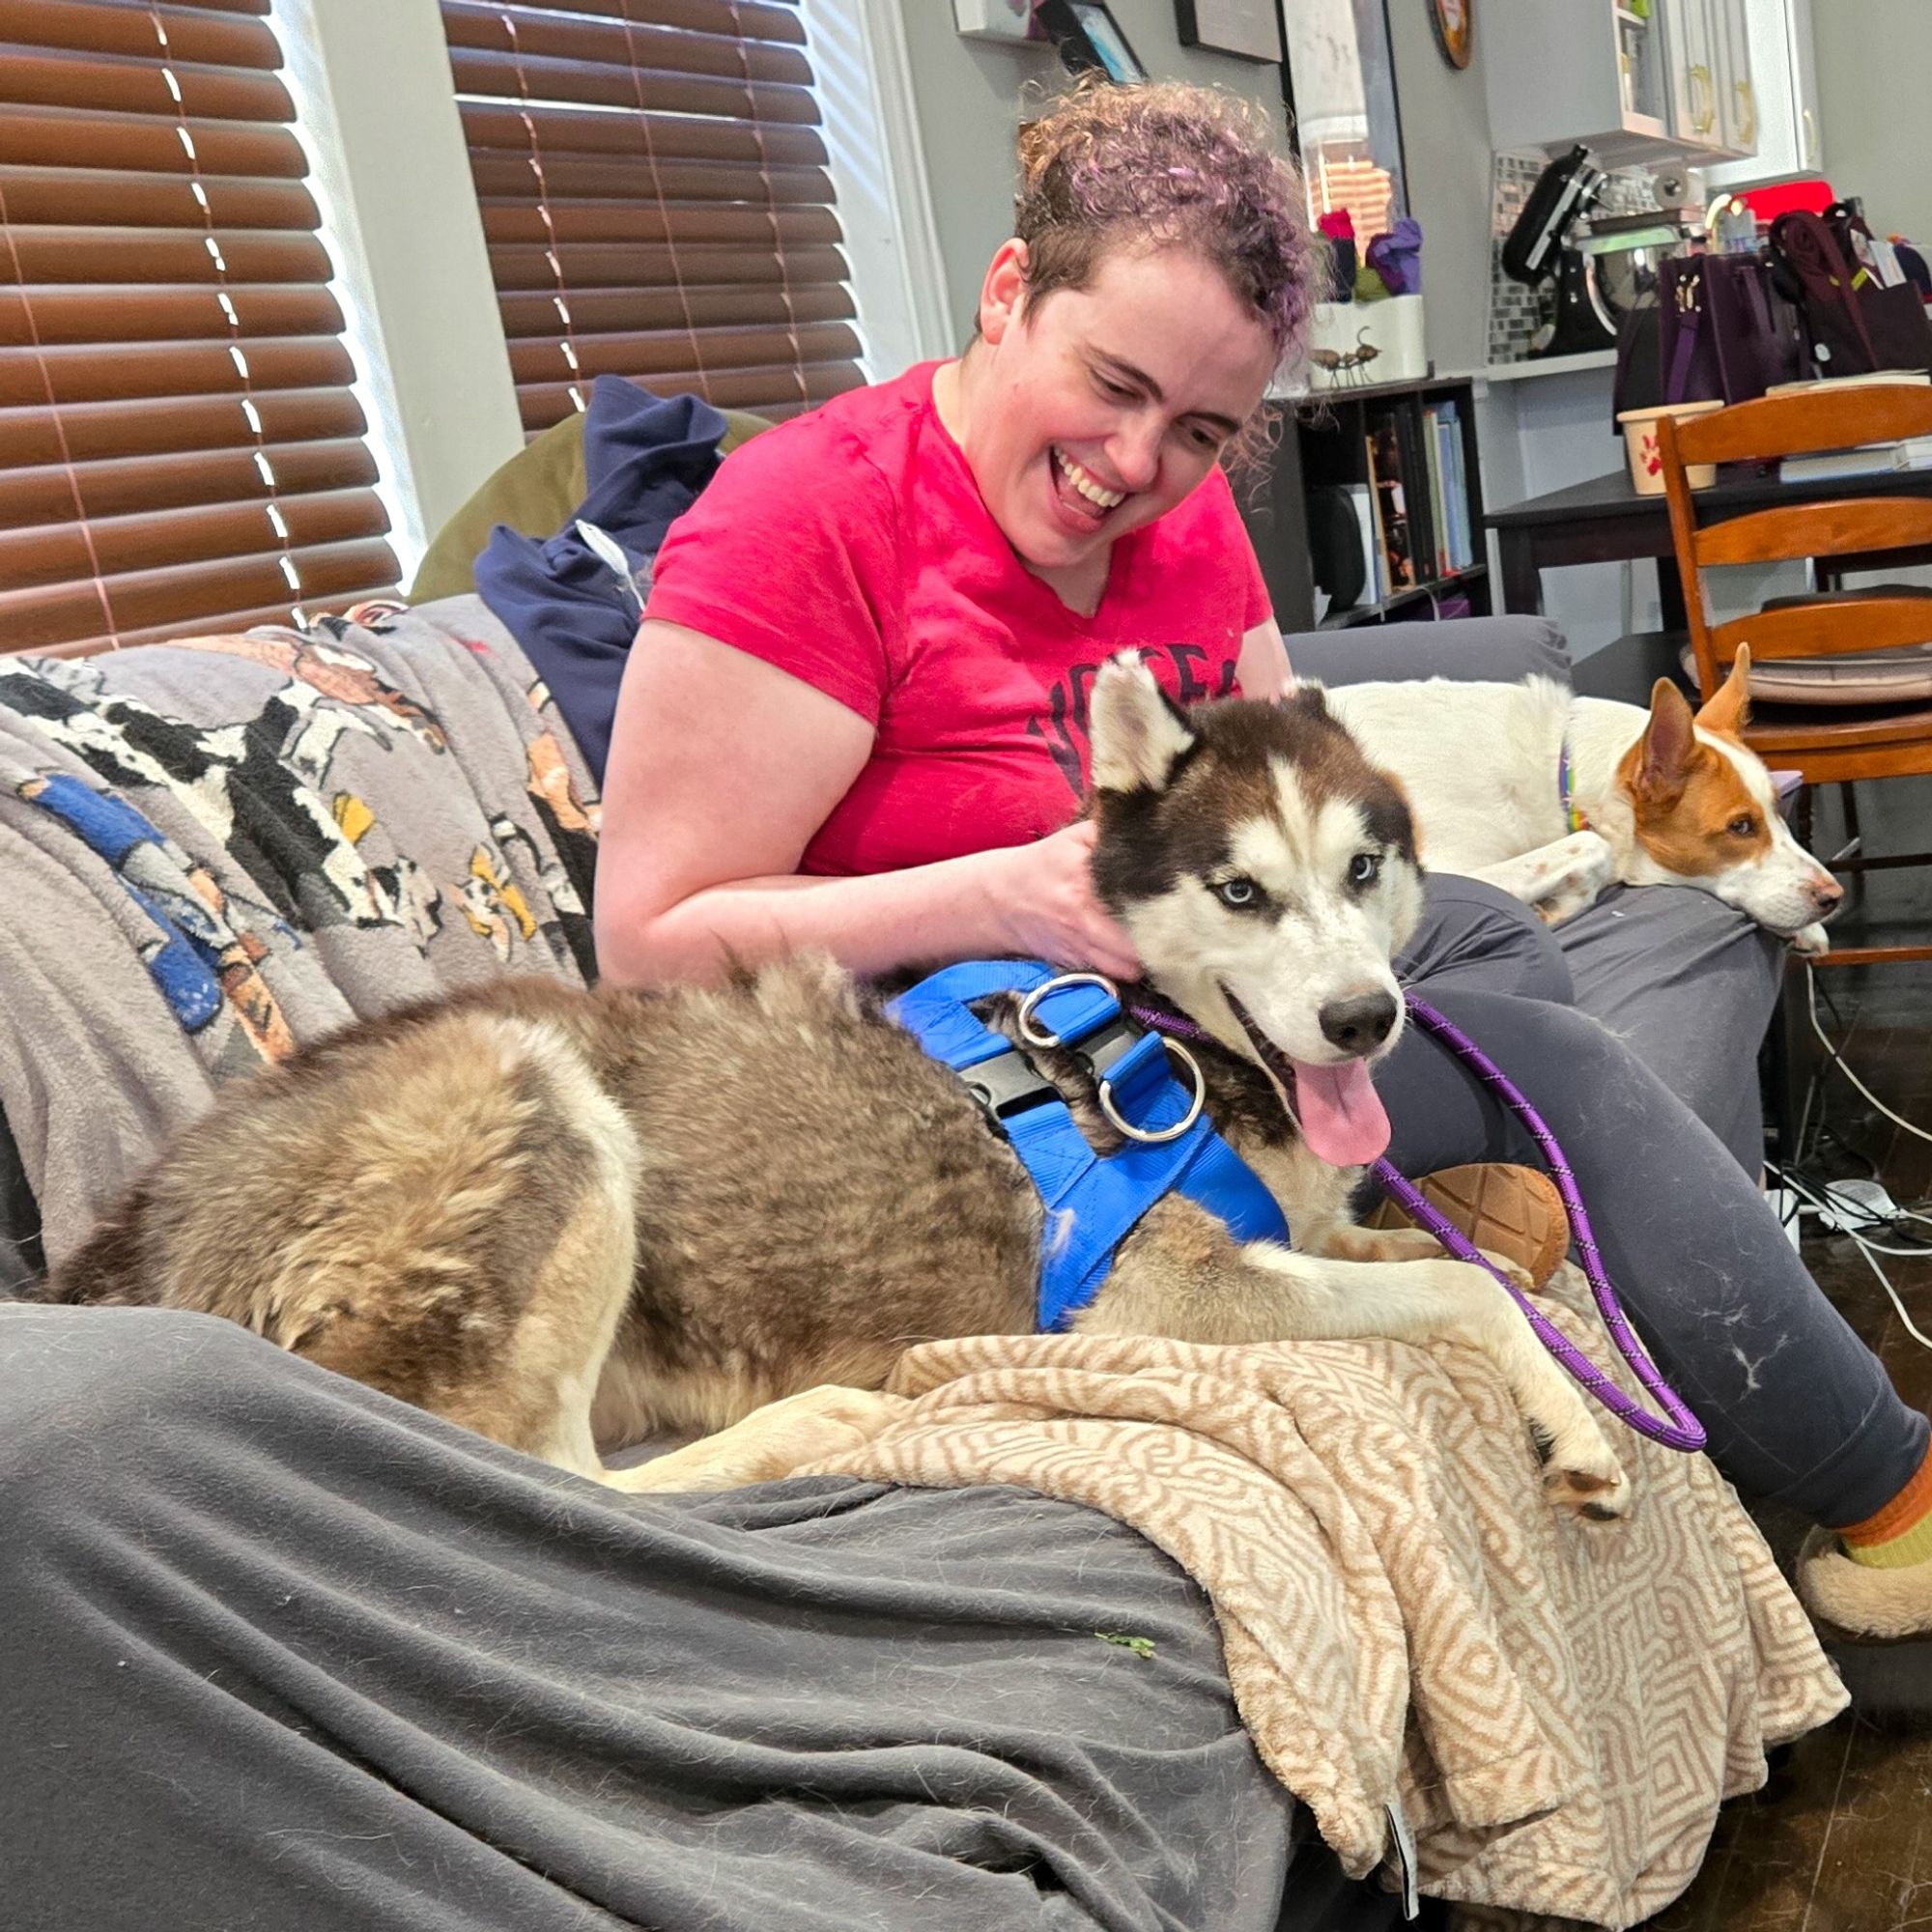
<point x="1043" y="901"/>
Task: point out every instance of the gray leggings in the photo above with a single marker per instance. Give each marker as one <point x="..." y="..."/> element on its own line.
<point x="1646" y="1099"/>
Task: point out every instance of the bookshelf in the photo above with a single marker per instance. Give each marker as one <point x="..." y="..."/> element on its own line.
<point x="1396" y="464"/>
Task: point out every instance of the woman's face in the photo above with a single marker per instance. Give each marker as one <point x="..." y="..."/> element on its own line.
<point x="1098" y="410"/>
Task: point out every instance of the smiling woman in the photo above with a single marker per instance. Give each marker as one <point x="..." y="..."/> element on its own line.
<point x="887" y="615"/>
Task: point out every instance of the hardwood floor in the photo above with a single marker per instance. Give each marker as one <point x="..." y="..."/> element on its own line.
<point x="1842" y="1838"/>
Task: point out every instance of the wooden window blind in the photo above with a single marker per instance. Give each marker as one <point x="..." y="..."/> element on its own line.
<point x="655" y="197"/>
<point x="179" y="448"/>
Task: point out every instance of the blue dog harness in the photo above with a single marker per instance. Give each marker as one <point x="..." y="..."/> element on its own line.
<point x="1093" y="1201"/>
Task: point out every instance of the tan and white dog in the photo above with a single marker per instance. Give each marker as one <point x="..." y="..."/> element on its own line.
<point x="1664" y="797"/>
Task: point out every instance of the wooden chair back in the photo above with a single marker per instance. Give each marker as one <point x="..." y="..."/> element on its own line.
<point x="1858" y="523"/>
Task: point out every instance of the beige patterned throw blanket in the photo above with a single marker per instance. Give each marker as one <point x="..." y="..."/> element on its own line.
<point x="1555" y="1708"/>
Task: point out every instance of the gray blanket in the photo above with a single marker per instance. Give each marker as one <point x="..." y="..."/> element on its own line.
<point x="214" y="852"/>
<point x="298" y="1655"/>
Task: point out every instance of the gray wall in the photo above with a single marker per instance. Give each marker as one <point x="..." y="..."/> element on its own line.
<point x="968" y="95"/>
<point x="1873" y="58"/>
<point x="1445" y="138"/>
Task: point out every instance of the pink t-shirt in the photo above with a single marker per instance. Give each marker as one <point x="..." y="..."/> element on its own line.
<point x="851" y="548"/>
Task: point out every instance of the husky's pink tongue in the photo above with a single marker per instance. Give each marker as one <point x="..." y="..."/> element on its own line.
<point x="1341" y="1115"/>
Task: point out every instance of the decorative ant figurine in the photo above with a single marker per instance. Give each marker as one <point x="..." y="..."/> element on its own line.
<point x="1348" y="370"/>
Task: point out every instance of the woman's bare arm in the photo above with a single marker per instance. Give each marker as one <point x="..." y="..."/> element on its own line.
<point x="722" y="770"/>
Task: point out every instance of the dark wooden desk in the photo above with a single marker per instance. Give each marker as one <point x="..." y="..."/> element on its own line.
<point x="1605" y="520"/>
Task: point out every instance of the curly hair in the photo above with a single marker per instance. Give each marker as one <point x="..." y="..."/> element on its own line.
<point x="1166" y="163"/>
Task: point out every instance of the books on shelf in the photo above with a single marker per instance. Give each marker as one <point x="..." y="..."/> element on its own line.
<point x="1438" y="497"/>
<point x="1395" y="536"/>
<point x="1455" y="540"/>
<point x="1402" y="462"/>
<point x="1873" y="459"/>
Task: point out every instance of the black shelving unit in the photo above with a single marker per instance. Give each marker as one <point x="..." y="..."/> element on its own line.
<point x="1326" y="441"/>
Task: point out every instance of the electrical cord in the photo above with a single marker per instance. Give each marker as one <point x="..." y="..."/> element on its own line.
<point x="1868" y="1249"/>
<point x="1847" y="1213"/>
<point x="1837" y="1058"/>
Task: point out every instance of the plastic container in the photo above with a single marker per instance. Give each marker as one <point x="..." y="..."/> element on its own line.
<point x="1646" y="459"/>
<point x="1370" y="342"/>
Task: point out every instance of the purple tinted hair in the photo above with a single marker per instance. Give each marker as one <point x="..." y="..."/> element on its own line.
<point x="1160" y="164"/>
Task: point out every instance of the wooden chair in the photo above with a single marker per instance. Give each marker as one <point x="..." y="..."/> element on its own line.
<point x="1855" y="529"/>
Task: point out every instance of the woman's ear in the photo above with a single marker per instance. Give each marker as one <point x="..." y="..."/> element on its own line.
<point x="1003" y="290"/>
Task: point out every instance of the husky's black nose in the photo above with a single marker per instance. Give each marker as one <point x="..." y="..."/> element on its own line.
<point x="1359" y="1025"/>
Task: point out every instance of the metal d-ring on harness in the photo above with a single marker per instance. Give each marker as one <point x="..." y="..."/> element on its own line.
<point x="1682" y="1429"/>
<point x="1104" y="1087"/>
<point x="1092" y="1202"/>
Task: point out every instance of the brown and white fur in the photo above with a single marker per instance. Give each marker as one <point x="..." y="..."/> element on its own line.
<point x="1669" y="798"/>
<point x="570" y="1219"/>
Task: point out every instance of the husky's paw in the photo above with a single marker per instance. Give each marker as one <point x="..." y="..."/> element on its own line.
<point x="771" y="1444"/>
<point x="1581" y="1473"/>
<point x="1811" y="942"/>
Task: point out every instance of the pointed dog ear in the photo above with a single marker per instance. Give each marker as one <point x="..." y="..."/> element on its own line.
<point x="1668" y="744"/>
<point x="1135" y="730"/>
<point x="1729" y="709"/>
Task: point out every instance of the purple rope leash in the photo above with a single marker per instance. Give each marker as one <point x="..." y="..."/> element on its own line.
<point x="1682" y="1431"/>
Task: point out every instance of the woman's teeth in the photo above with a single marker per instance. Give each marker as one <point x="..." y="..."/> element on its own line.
<point x="1104" y="499"/>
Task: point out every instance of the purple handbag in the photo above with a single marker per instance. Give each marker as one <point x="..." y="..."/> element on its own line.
<point x="1852" y="325"/>
<point x="1688" y="348"/>
<point x="1757" y="334"/>
<point x="1727" y="335"/>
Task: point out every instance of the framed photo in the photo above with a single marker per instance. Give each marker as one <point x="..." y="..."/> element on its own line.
<point x="1089" y="38"/>
<point x="1249" y="28"/>
<point x="1455" y="24"/>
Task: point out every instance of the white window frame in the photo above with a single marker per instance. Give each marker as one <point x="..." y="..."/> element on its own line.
<point x="863" y="72"/>
<point x="371" y="79"/>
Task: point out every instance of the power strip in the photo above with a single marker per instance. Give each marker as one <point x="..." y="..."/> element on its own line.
<point x="1855" y="1208"/>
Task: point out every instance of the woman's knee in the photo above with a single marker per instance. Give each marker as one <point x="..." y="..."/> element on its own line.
<point x="1475" y="935"/>
<point x="85" y="1387"/>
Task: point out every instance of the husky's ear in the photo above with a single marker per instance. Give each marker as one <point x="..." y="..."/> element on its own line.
<point x="1136" y="732"/>
<point x="1670" y="742"/>
<point x="1729" y="710"/>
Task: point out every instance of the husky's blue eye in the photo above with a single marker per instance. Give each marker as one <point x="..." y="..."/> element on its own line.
<point x="1238" y="893"/>
<point x="1364" y="867"/>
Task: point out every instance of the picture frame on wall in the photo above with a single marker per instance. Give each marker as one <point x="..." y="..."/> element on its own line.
<point x="1088" y="39"/>
<point x="1250" y="29"/>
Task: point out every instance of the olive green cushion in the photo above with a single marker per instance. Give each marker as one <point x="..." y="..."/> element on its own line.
<point x="534" y="492"/>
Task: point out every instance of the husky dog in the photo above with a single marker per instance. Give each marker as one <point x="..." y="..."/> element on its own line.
<point x="570" y="1219"/>
<point x="1664" y="797"/>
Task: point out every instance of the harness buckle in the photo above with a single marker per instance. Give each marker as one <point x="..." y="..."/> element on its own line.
<point x="1007" y="1084"/>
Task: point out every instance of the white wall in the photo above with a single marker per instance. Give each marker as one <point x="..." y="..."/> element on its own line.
<point x="1873" y="60"/>
<point x="1445" y="138"/>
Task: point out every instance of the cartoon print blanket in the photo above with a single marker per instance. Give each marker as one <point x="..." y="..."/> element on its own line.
<point x="217" y="850"/>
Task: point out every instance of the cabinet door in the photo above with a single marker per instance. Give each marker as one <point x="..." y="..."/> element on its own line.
<point x="1784" y="94"/>
<point x="1804" y="62"/>
<point x="1695" y="108"/>
<point x="1742" y="111"/>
